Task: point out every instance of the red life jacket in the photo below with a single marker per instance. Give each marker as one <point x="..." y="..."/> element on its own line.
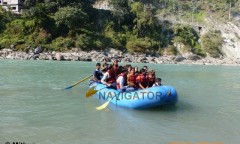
<point x="117" y="83"/>
<point x="151" y="79"/>
<point x="116" y="70"/>
<point x="143" y="80"/>
<point x="112" y="76"/>
<point x="132" y="78"/>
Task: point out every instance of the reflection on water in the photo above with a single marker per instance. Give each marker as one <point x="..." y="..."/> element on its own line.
<point x="35" y="108"/>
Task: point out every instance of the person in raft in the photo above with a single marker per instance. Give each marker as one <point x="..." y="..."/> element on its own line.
<point x="109" y="78"/>
<point x="136" y="70"/>
<point x="146" y="68"/>
<point x="97" y="74"/>
<point x="131" y="80"/>
<point x="121" y="80"/>
<point x="104" y="63"/>
<point x="142" y="80"/>
<point x="158" y="82"/>
<point x="151" y="78"/>
<point x="116" y="67"/>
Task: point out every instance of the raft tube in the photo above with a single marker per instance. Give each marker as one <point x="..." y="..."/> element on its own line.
<point x="138" y="99"/>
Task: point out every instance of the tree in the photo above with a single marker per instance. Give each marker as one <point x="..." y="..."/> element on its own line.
<point x="29" y="3"/>
<point x="146" y="26"/>
<point x="120" y="9"/>
<point x="145" y="18"/>
<point x="37" y="11"/>
<point x="5" y="17"/>
<point x="231" y="3"/>
<point x="70" y="17"/>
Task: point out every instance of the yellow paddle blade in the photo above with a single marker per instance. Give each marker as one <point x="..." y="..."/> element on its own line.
<point x="103" y="106"/>
<point x="91" y="92"/>
<point x="92" y="88"/>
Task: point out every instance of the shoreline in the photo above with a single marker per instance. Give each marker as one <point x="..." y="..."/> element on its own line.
<point x="111" y="54"/>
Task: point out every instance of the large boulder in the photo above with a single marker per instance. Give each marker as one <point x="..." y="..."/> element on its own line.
<point x="151" y="59"/>
<point x="45" y="56"/>
<point x="13" y="47"/>
<point x="11" y="56"/>
<point x="85" y="58"/>
<point x="38" y="50"/>
<point x="194" y="57"/>
<point x="67" y="56"/>
<point x="179" y="58"/>
<point x="75" y="58"/>
<point x="59" y="57"/>
<point x="191" y="56"/>
<point x="126" y="59"/>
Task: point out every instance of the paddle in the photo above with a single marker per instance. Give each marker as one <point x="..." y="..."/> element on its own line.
<point x="103" y="106"/>
<point x="92" y="91"/>
<point x="78" y="82"/>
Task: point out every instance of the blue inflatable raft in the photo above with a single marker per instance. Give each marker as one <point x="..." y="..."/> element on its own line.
<point x="139" y="99"/>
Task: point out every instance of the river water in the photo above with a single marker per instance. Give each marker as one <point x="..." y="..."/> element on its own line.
<point x="35" y="108"/>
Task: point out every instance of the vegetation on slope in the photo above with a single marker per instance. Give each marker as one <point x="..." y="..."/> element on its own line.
<point x="59" y="25"/>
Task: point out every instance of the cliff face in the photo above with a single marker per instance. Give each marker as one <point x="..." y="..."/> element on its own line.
<point x="231" y="35"/>
<point x="101" y="4"/>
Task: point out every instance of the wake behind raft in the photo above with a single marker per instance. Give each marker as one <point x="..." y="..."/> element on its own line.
<point x="139" y="99"/>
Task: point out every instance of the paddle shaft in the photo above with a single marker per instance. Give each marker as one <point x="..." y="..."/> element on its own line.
<point x="79" y="82"/>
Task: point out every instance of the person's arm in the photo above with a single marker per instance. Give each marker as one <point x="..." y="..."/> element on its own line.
<point x="121" y="82"/>
<point x="95" y="76"/>
<point x="104" y="79"/>
<point x="141" y="86"/>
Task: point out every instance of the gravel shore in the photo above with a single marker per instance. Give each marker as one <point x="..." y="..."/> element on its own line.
<point x="95" y="56"/>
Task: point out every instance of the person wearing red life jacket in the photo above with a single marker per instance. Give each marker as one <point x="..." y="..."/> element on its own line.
<point x="116" y="67"/>
<point x="131" y="79"/>
<point x="109" y="77"/>
<point x="136" y="70"/>
<point x="142" y="80"/>
<point x="151" y="78"/>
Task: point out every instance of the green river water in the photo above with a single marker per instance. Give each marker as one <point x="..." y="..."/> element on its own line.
<point x="35" y="108"/>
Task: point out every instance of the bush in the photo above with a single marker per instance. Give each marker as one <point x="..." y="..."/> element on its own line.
<point x="212" y="43"/>
<point x="138" y="44"/>
<point x="171" y="50"/>
<point x="101" y="42"/>
<point x="39" y="37"/>
<point x="198" y="50"/>
<point x="16" y="27"/>
<point x="62" y="43"/>
<point x="118" y="39"/>
<point x="84" y="42"/>
<point x="185" y="35"/>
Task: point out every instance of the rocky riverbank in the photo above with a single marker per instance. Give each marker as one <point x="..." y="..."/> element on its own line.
<point x="76" y="55"/>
